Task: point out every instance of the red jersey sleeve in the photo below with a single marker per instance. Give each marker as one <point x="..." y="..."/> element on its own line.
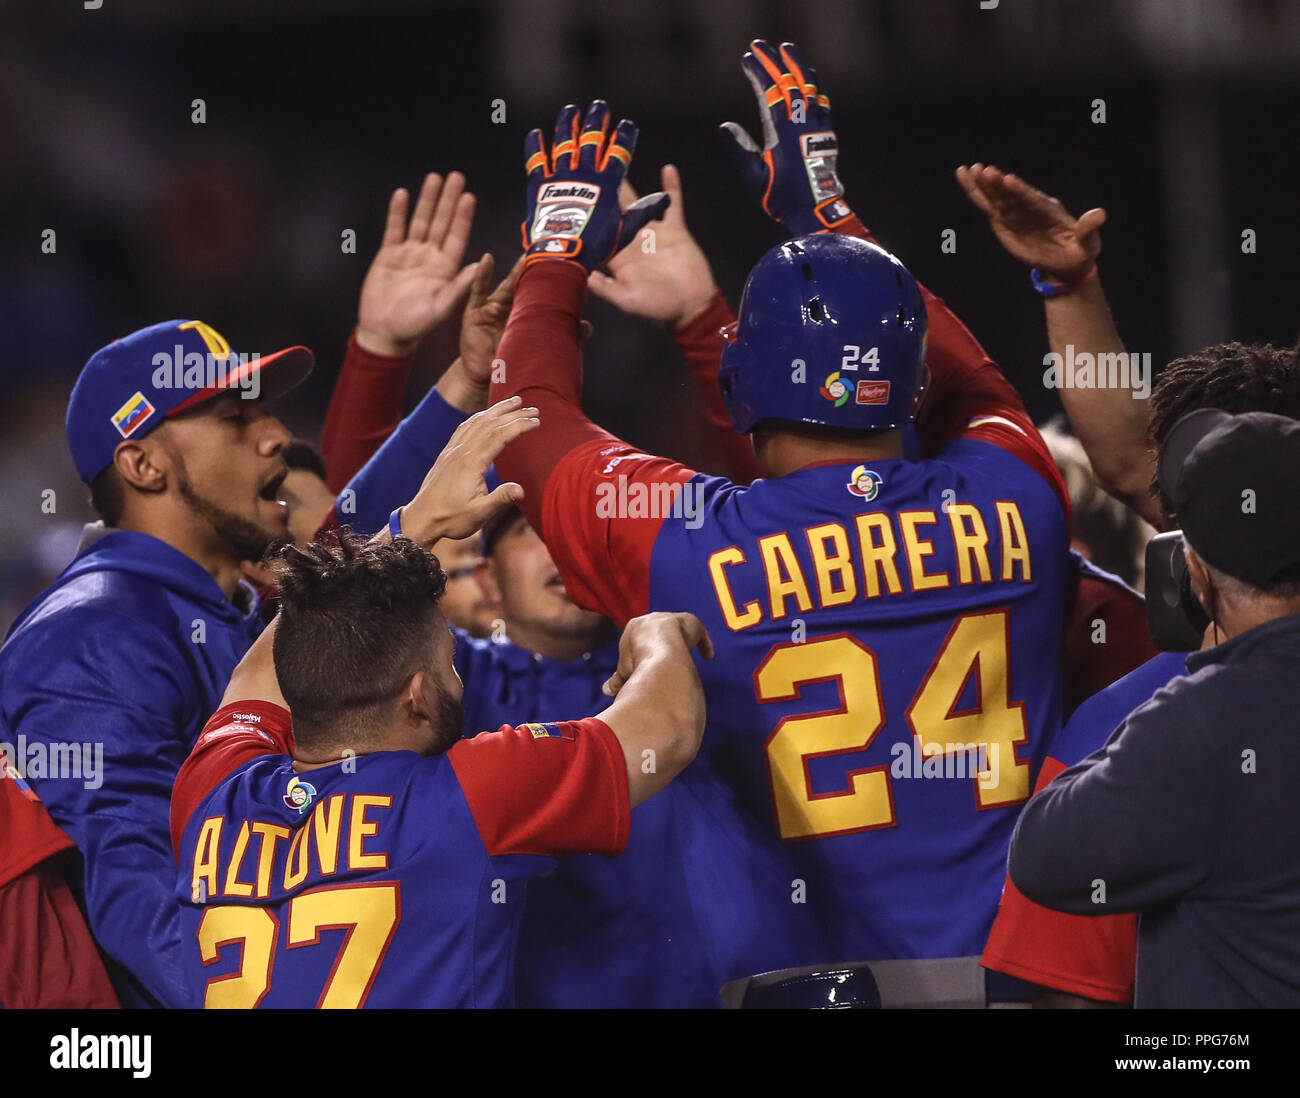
<point x="235" y="735"/>
<point x="364" y="410"/>
<point x="48" y="959"/>
<point x="546" y="789"/>
<point x="27" y="833"/>
<point x="604" y="506"/>
<point x="701" y="344"/>
<point x="1094" y="956"/>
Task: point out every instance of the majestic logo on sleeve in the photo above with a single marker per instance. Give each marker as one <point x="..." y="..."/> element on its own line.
<point x="299" y="794"/>
<point x="128" y="418"/>
<point x="835" y="389"/>
<point x="563" y="209"/>
<point x="865" y="482"/>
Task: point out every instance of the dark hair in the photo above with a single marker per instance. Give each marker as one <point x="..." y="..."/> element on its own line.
<point x="301" y="456"/>
<point x="1232" y="377"/>
<point x="356" y="622"/>
<point x="107" y="496"/>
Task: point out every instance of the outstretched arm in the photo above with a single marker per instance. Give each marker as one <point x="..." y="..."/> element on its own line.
<point x="667" y="279"/>
<point x="794" y="177"/>
<point x="1110" y="421"/>
<point x="574" y="224"/>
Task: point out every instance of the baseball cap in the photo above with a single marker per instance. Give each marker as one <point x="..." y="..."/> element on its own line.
<point x="1234" y="483"/>
<point x="130" y="386"/>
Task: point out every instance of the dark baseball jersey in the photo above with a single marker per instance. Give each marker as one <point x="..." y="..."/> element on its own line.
<point x="392" y="879"/>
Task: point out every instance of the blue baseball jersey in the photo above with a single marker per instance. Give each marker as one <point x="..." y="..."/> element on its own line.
<point x="628" y="932"/>
<point x="389" y="880"/>
<point x="888" y="660"/>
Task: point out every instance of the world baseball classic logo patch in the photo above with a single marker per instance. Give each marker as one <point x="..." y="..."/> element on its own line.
<point x="128" y="418"/>
<point x="865" y="482"/>
<point x="299" y="794"/>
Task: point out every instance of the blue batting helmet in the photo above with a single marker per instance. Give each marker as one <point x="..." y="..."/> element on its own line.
<point x="831" y="331"/>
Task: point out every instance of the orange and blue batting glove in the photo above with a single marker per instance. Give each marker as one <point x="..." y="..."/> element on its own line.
<point x="793" y="175"/>
<point x="572" y="210"/>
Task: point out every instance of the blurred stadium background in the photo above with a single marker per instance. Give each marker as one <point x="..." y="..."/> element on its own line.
<point x="316" y="109"/>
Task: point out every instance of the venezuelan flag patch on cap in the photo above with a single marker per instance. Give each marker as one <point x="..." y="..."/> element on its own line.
<point x="133" y="413"/>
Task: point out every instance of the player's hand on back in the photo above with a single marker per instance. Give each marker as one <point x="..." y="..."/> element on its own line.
<point x="658" y="710"/>
<point x="793" y="174"/>
<point x="415" y="281"/>
<point x="572" y="211"/>
<point x="654" y="633"/>
<point x="1034" y="227"/>
<point x="666" y="277"/>
<point x="454" y="501"/>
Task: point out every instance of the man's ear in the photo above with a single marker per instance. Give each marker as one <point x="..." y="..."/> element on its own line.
<point x="419" y="699"/>
<point x="485" y="574"/>
<point x="144" y="464"/>
<point x="1199" y="576"/>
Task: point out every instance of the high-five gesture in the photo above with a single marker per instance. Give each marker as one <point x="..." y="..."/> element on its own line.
<point x="485" y="319"/>
<point x="1032" y="226"/>
<point x="572" y="210"/>
<point x="670" y="283"/>
<point x="415" y="281"/>
<point x="793" y="175"/>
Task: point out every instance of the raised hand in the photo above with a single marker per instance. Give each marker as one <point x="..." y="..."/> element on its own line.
<point x="1032" y="226"/>
<point x="414" y="281"/>
<point x="454" y="501"/>
<point x="485" y="319"/>
<point x="670" y="283"/>
<point x="793" y="175"/>
<point x="572" y="210"/>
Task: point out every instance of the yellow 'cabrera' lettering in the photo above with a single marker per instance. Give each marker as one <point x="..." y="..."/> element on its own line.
<point x="865" y="563"/>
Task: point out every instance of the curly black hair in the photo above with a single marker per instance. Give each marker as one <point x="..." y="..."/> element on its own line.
<point x="356" y="622"/>
<point x="1231" y="377"/>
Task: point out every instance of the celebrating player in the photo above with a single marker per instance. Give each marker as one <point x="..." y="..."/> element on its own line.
<point x="134" y="642"/>
<point x="392" y="851"/>
<point x="868" y="608"/>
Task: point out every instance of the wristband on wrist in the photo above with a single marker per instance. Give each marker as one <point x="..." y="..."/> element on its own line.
<point x="395" y="523"/>
<point x="1049" y="287"/>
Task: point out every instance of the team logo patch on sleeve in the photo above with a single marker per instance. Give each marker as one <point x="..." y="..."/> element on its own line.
<point x="133" y="413"/>
<point x="547" y="732"/>
<point x="9" y="773"/>
<point x="299" y="794"/>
